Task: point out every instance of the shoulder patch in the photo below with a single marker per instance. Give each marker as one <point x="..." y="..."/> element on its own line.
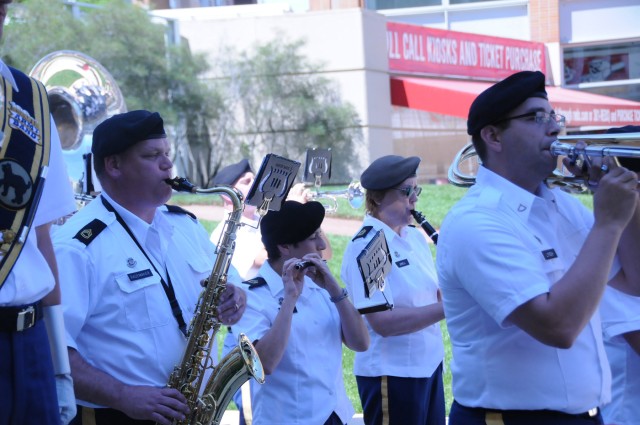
<point x="362" y="233"/>
<point x="256" y="282"/>
<point x="179" y="210"/>
<point x="89" y="232"/>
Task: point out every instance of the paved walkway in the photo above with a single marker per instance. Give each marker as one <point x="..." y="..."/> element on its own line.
<point x="332" y="225"/>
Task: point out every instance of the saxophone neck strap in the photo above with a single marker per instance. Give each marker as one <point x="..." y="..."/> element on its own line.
<point x="25" y="145"/>
<point x="166" y="285"/>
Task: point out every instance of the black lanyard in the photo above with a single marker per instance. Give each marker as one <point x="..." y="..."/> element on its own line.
<point x="167" y="286"/>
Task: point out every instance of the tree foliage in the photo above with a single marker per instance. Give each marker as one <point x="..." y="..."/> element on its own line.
<point x="270" y="99"/>
<point x="283" y="105"/>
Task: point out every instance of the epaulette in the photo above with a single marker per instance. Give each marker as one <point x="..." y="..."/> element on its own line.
<point x="89" y="232"/>
<point x="362" y="233"/>
<point x="180" y="210"/>
<point x="256" y="282"/>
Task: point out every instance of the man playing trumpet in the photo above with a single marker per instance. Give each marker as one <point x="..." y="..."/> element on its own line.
<point x="523" y="268"/>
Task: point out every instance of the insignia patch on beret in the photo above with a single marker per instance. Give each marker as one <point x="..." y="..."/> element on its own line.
<point x="179" y="210"/>
<point x="256" y="282"/>
<point x="89" y="232"/>
<point x="362" y="233"/>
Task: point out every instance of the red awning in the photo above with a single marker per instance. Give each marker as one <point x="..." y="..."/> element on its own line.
<point x="452" y="97"/>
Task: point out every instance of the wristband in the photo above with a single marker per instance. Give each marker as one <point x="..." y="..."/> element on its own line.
<point x="340" y="297"/>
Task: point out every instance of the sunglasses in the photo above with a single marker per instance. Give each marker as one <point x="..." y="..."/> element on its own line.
<point x="409" y="190"/>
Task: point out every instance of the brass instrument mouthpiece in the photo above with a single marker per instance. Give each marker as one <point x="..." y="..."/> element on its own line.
<point x="181" y="184"/>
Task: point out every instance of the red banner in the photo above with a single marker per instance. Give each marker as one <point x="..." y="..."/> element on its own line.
<point x="414" y="49"/>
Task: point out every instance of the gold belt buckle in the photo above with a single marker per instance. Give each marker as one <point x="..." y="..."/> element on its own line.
<point x="593" y="412"/>
<point x="26" y="318"/>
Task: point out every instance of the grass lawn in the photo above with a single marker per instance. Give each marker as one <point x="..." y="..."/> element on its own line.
<point x="434" y="203"/>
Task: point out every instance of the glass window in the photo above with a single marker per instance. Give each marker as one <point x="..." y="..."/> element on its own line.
<point x="400" y="4"/>
<point x="611" y="62"/>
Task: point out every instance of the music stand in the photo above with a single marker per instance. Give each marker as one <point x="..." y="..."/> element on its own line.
<point x="318" y="166"/>
<point x="272" y="183"/>
<point x="374" y="263"/>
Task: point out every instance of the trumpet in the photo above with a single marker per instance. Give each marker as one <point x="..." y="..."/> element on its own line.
<point x="354" y="193"/>
<point x="619" y="145"/>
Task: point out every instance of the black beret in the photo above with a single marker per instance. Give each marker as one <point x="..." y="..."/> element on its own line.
<point x="293" y="223"/>
<point x="231" y="173"/>
<point x="625" y="129"/>
<point x="119" y="132"/>
<point x="632" y="164"/>
<point x="389" y="171"/>
<point x="501" y="98"/>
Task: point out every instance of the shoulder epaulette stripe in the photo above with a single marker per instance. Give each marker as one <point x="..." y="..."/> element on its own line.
<point x="89" y="232"/>
<point x="180" y="210"/>
<point x="256" y="282"/>
<point x="362" y="233"/>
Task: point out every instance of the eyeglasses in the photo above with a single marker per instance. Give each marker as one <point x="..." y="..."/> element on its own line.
<point x="539" y="117"/>
<point x="409" y="190"/>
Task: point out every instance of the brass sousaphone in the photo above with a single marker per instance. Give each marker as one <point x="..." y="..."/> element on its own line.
<point x="82" y="94"/>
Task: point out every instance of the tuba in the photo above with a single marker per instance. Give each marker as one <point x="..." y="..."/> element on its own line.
<point x="82" y="94"/>
<point x="208" y="396"/>
<point x="618" y="145"/>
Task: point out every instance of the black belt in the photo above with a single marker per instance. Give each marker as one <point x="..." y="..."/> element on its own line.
<point x="17" y="319"/>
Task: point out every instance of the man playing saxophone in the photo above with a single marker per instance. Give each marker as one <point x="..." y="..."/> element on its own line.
<point x="131" y="269"/>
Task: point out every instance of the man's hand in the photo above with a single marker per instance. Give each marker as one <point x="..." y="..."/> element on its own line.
<point x="233" y="302"/>
<point x="66" y="398"/>
<point x="161" y="405"/>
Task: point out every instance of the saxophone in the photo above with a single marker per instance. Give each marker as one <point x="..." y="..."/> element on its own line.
<point x="209" y="401"/>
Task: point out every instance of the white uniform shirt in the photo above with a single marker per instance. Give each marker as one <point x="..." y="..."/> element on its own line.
<point x="116" y="312"/>
<point x="412" y="282"/>
<point x="248" y="246"/>
<point x="306" y="386"/>
<point x="499" y="247"/>
<point x="31" y="278"/>
<point x="621" y="314"/>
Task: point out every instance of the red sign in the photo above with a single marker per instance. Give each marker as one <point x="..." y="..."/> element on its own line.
<point x="419" y="50"/>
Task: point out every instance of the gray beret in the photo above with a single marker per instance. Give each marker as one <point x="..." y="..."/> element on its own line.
<point x="389" y="171"/>
<point x="231" y="173"/>
<point x="293" y="223"/>
<point x="501" y="98"/>
<point x="119" y="132"/>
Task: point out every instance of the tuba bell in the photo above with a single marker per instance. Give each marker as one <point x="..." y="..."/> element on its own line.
<point x="82" y="94"/>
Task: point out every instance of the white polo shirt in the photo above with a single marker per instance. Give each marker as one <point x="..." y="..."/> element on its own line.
<point x="499" y="247"/>
<point x="307" y="385"/>
<point x="621" y="314"/>
<point x="412" y="282"/>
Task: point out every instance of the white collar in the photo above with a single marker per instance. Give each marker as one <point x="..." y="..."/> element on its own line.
<point x="6" y="73"/>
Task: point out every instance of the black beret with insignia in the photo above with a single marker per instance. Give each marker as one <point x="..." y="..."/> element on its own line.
<point x="293" y="223"/>
<point x="389" y="171"/>
<point x="231" y="173"/>
<point x="501" y="98"/>
<point x="119" y="132"/>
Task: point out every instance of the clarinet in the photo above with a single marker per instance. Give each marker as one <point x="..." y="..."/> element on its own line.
<point x="431" y="232"/>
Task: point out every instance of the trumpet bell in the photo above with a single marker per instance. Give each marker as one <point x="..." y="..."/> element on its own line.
<point x="354" y="194"/>
<point x="625" y="147"/>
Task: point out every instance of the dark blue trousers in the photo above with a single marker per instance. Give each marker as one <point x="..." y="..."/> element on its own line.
<point x="461" y="415"/>
<point x="401" y="401"/>
<point x="27" y="384"/>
